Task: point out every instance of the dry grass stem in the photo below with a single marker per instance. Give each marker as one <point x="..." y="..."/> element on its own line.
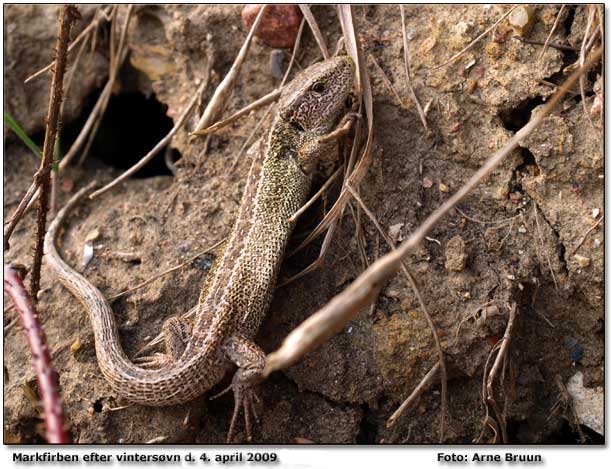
<point x="585" y="236"/>
<point x="320" y="40"/>
<point x="219" y="99"/>
<point x="80" y="38"/>
<point x="363" y="85"/>
<point x="168" y="271"/>
<point x="407" y="71"/>
<point x="551" y="32"/>
<point x="422" y="386"/>
<point x="385" y="79"/>
<point x="315" y="197"/>
<point x="427" y="316"/>
<point x="268" y="98"/>
<point x="475" y="41"/>
<point x="116" y="60"/>
<point x="540" y="233"/>
<point x="481" y="222"/>
<point x="501" y="356"/>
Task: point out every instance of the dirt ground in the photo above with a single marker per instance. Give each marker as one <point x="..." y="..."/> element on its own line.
<point x="516" y="239"/>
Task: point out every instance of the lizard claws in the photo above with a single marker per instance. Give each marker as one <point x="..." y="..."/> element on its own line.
<point x="245" y="397"/>
<point x="157" y="360"/>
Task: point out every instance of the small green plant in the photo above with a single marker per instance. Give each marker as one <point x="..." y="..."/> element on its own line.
<point x="15" y="127"/>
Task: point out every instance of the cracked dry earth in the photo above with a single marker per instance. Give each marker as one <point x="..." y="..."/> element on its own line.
<point x="516" y="239"/>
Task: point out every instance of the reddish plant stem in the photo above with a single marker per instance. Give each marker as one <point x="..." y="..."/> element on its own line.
<point x="41" y="359"/>
<point x="42" y="177"/>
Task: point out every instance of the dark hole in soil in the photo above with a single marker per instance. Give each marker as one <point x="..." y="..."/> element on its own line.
<point x="570" y="17"/>
<point x="368" y="429"/>
<point x="516" y="118"/>
<point x="98" y="406"/>
<point x="132" y="125"/>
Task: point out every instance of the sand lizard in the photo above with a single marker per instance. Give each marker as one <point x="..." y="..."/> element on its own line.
<point x="238" y="289"/>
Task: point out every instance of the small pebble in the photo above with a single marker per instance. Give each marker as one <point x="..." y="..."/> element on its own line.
<point x="582" y="260"/>
<point x="279" y="25"/>
<point x="395" y="232"/>
<point x="456" y="257"/>
<point x="92" y="235"/>
<point x="66" y="185"/>
<point x="76" y="346"/>
<point x="276" y="59"/>
<point x="87" y="254"/>
<point x="522" y="19"/>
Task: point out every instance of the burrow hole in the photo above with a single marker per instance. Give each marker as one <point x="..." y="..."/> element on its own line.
<point x="132" y="125"/>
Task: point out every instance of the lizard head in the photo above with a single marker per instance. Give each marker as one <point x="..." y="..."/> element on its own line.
<point x="315" y="99"/>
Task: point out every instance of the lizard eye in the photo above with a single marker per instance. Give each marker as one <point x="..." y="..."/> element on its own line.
<point x="318" y="87"/>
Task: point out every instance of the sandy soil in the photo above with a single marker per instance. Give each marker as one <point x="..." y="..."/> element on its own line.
<point x="514" y="240"/>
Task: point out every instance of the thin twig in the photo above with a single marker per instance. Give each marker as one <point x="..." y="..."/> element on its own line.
<point x="116" y="60"/>
<point x="424" y="383"/>
<point x="157" y="148"/>
<point x="553" y="45"/>
<point x="385" y="79"/>
<point x="315" y="197"/>
<point x="320" y="40"/>
<point x="42" y="177"/>
<point x="82" y="35"/>
<point x="19" y="211"/>
<point x="475" y="41"/>
<point x="408" y="74"/>
<point x="217" y="103"/>
<point x="41" y="360"/>
<point x="165" y="272"/>
<point x="551" y="32"/>
<point x="506" y="340"/>
<point x="33" y="192"/>
<point x="585" y="236"/>
<point x="549" y="262"/>
<point x="427" y="316"/>
<point x="268" y="98"/>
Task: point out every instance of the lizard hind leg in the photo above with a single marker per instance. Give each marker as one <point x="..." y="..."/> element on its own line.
<point x="250" y="360"/>
<point x="176" y="333"/>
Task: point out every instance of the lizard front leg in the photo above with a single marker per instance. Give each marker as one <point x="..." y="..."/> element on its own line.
<point x="317" y="148"/>
<point x="250" y="360"/>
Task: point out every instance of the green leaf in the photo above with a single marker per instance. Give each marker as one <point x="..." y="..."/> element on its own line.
<point x="57" y="152"/>
<point x="15" y="127"/>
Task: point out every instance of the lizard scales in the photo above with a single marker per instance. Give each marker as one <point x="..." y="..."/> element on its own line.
<point x="238" y="289"/>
